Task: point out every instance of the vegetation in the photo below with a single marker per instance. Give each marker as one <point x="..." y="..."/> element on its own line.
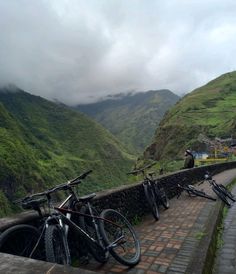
<point x="224" y="212"/>
<point x="43" y="144"/>
<point x="209" y="110"/>
<point x="133" y="118"/>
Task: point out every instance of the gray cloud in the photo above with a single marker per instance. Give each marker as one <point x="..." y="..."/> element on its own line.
<point x="77" y="51"/>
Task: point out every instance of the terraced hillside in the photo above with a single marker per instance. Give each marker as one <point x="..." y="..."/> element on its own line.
<point x="210" y="110"/>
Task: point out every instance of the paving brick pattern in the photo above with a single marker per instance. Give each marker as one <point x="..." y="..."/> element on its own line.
<point x="225" y="262"/>
<point x="168" y="245"/>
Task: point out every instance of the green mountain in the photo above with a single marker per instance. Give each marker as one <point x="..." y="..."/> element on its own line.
<point x="132" y="118"/>
<point x="43" y="144"/>
<point x="209" y="110"/>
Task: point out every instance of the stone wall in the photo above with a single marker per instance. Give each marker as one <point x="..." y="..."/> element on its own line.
<point x="130" y="200"/>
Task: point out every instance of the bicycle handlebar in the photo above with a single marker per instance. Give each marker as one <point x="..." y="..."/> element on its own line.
<point x="63" y="186"/>
<point x="80" y="177"/>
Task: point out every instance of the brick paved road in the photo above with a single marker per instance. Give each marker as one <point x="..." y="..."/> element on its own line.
<point x="226" y="257"/>
<point x="168" y="245"/>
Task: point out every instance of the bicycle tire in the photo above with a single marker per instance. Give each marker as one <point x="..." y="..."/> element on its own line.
<point x="221" y="195"/>
<point x="151" y="199"/>
<point x="128" y="250"/>
<point x="56" y="248"/>
<point x="20" y="240"/>
<point x="162" y="197"/>
<point x="87" y="225"/>
<point x="203" y="194"/>
<point x="227" y="192"/>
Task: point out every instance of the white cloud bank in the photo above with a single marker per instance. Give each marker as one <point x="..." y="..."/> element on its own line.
<point x="77" y="51"/>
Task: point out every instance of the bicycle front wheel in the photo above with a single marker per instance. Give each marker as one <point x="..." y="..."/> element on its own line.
<point x="21" y="240"/>
<point x="120" y="237"/>
<point x="227" y="192"/>
<point x="151" y="199"/>
<point x="163" y="197"/>
<point x="221" y="195"/>
<point x="90" y="225"/>
<point x="56" y="245"/>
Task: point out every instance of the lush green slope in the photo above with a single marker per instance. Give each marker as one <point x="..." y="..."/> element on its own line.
<point x="42" y="143"/>
<point x="133" y="118"/>
<point x="210" y="110"/>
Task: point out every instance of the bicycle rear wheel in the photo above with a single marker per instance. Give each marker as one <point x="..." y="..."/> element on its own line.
<point x="56" y="246"/>
<point x="88" y="224"/>
<point x="20" y="240"/>
<point x="120" y="237"/>
<point x="151" y="199"/>
<point x="221" y="195"/>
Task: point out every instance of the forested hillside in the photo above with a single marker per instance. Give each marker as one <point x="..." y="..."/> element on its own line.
<point x="42" y="144"/>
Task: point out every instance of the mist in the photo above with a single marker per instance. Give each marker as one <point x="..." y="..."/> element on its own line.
<point x="78" y="51"/>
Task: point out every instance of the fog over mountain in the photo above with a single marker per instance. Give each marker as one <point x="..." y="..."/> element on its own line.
<point x="78" y="51"/>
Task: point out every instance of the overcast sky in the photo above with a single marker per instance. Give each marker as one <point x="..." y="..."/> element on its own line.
<point x="76" y="51"/>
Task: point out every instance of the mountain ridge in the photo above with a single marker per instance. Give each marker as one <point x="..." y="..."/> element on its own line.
<point x="132" y="117"/>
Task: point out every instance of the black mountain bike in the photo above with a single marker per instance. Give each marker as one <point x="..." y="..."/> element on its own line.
<point x="221" y="191"/>
<point x="111" y="231"/>
<point x="193" y="192"/>
<point x="153" y="190"/>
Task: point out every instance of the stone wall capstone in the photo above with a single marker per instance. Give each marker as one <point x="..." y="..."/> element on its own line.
<point x="130" y="199"/>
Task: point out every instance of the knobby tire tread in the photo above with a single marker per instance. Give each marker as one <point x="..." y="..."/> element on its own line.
<point x="50" y="234"/>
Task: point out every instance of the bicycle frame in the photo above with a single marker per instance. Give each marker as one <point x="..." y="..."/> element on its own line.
<point x="63" y="217"/>
<point x="83" y="233"/>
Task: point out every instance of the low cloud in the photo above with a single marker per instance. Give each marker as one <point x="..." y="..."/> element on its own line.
<point x="78" y="51"/>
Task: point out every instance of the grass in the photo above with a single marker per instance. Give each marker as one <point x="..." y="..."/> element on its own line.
<point x="136" y="220"/>
<point x="220" y="227"/>
<point x="200" y="235"/>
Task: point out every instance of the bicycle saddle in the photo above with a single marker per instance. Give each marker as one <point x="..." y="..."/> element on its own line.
<point x="87" y="197"/>
<point x="33" y="204"/>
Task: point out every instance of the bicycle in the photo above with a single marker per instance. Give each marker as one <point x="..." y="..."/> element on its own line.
<point x="21" y="239"/>
<point x="153" y="190"/>
<point x="220" y="190"/>
<point x="115" y="238"/>
<point x="193" y="192"/>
